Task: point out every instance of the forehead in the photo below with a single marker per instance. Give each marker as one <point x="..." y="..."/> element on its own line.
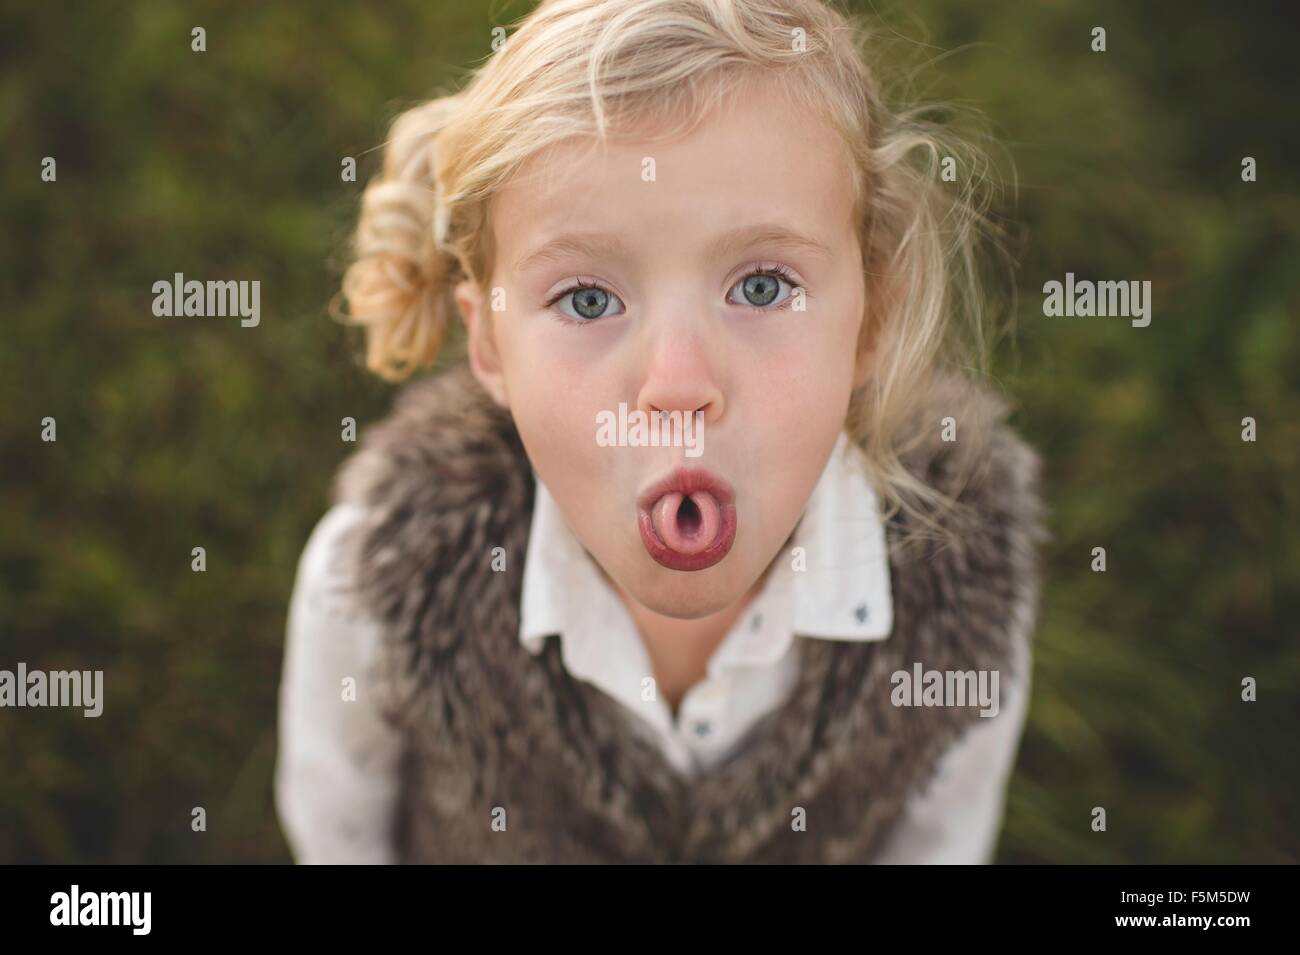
<point x="753" y="158"/>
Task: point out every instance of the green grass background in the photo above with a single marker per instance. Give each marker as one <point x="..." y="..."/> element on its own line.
<point x="173" y="434"/>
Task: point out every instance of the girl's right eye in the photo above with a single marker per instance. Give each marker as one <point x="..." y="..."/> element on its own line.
<point x="589" y="302"/>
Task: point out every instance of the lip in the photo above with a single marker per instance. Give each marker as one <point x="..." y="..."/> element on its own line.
<point x="687" y="481"/>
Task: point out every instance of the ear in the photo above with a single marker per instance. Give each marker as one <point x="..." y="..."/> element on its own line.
<point x="883" y="298"/>
<point x="484" y="357"/>
<point x="864" y="362"/>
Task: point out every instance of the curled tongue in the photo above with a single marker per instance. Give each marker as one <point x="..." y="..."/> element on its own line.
<point x="687" y="525"/>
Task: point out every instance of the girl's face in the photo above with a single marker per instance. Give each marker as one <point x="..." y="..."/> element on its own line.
<point x="717" y="273"/>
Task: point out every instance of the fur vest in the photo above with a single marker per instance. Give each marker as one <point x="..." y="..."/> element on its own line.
<point x="509" y="758"/>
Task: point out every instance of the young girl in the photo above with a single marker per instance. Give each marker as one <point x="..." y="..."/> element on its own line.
<point x="803" y="639"/>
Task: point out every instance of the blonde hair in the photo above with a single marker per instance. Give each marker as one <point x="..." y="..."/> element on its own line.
<point x="586" y="66"/>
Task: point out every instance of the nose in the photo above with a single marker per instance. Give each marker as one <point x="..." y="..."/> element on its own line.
<point x="681" y="370"/>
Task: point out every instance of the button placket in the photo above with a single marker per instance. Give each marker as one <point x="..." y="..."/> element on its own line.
<point x="701" y="713"/>
<point x="701" y="728"/>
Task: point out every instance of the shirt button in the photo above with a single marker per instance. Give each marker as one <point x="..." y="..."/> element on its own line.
<point x="702" y="728"/>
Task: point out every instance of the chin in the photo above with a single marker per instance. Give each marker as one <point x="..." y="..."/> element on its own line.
<point x="685" y="596"/>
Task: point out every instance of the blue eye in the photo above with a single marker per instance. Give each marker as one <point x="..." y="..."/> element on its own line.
<point x="761" y="287"/>
<point x="590" y="302"/>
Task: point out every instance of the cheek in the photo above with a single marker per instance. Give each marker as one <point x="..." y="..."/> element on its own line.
<point x="555" y="392"/>
<point x="552" y="365"/>
<point x="799" y="396"/>
<point x="803" y="386"/>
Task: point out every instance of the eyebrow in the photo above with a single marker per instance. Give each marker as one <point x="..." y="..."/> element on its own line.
<point x="595" y="244"/>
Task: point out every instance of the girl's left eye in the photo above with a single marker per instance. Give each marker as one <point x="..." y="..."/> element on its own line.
<point x="760" y="288"/>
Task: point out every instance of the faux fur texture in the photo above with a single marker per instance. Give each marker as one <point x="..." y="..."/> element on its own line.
<point x="489" y="727"/>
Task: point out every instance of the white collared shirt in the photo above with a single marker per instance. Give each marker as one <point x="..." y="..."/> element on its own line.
<point x="840" y="591"/>
<point x="336" y="773"/>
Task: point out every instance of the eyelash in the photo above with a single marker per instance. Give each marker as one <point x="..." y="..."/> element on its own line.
<point x="777" y="271"/>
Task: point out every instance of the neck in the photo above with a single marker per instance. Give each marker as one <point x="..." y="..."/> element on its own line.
<point x="680" y="649"/>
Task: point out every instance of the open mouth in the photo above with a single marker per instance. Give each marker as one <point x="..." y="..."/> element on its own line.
<point x="687" y="520"/>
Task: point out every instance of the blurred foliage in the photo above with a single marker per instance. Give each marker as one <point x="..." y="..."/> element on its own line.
<point x="171" y="434"/>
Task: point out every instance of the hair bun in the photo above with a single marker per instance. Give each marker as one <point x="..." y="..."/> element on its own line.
<point x="398" y="284"/>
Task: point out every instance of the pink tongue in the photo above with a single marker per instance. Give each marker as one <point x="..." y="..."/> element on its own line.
<point x="687" y="536"/>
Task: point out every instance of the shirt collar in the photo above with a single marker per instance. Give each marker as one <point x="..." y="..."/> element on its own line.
<point x="832" y="584"/>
